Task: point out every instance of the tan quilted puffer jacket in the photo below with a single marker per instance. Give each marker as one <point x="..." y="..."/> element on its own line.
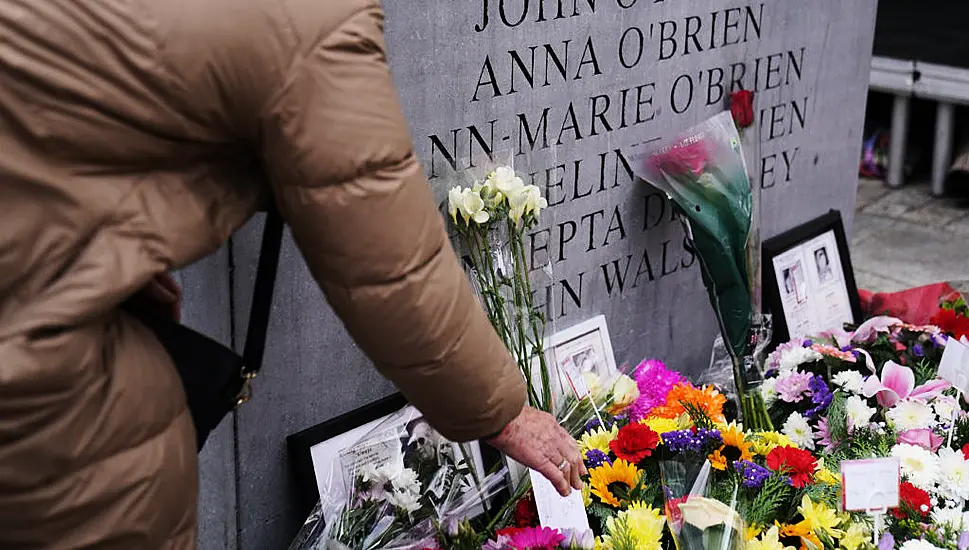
<point x="129" y="132"/>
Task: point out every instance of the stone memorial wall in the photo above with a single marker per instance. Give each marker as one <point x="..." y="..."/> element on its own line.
<point x="566" y="88"/>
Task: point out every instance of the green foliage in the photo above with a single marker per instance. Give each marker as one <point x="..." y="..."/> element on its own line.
<point x="866" y="442"/>
<point x="925" y="370"/>
<point x="838" y="417"/>
<point x="960" y="436"/>
<point x="621" y="536"/>
<point x="699" y="416"/>
<point x="765" y="506"/>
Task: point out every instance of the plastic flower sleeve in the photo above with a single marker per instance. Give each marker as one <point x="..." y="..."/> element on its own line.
<point x="703" y="172"/>
<point x="696" y="519"/>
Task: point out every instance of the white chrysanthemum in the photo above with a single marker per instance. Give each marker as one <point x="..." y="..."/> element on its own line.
<point x="768" y="392"/>
<point x="918" y="544"/>
<point x="919" y="465"/>
<point x="798" y="430"/>
<point x="911" y="414"/>
<point x="858" y="411"/>
<point x="795" y="357"/>
<point x="948" y="517"/>
<point x="407" y="481"/>
<point x="407" y="501"/>
<point x="849" y="381"/>
<point x="954" y="476"/>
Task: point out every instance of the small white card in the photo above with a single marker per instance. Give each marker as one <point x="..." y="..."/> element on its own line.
<point x="556" y="511"/>
<point x="871" y="484"/>
<point x="954" y="367"/>
<point x="575" y="378"/>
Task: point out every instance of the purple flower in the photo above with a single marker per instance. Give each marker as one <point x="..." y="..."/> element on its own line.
<point x="918" y="351"/>
<point x="808" y="343"/>
<point x="846" y="348"/>
<point x="821" y="396"/>
<point x="774" y="359"/>
<point x="753" y="475"/>
<point x="792" y="386"/>
<point x="654" y="381"/>
<point x="887" y="542"/>
<point x="502" y="542"/>
<point x="824" y="432"/>
<point x="963" y="543"/>
<point x="592" y="424"/>
<point x="689" y="441"/>
<point x="578" y="539"/>
<point x="595" y="458"/>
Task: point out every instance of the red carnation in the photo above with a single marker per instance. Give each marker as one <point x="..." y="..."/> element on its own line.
<point x="914" y="498"/>
<point x="509" y="531"/>
<point x="634" y="442"/>
<point x="526" y="513"/>
<point x="797" y="463"/>
<point x="965" y="451"/>
<point x="952" y="322"/>
<point x="742" y="108"/>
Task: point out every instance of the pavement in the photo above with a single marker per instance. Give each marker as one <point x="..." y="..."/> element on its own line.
<point x="905" y="238"/>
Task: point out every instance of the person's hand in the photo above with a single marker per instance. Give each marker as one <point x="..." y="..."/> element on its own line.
<point x="536" y="440"/>
<point x="163" y="297"/>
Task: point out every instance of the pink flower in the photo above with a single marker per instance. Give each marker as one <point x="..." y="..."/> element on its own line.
<point x="537" y="538"/>
<point x="897" y="383"/>
<point x="682" y="159"/>
<point x="654" y="381"/>
<point x="838" y="336"/>
<point x="923" y="437"/>
<point x="824" y="432"/>
<point x="832" y="351"/>
<point x="868" y="331"/>
<point x="791" y="387"/>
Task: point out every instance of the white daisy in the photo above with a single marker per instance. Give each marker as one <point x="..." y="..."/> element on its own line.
<point x="918" y="544"/>
<point x="858" y="411"/>
<point x="798" y="430"/>
<point x="954" y="478"/>
<point x="849" y="380"/>
<point x="768" y="392"/>
<point x="795" y="357"/>
<point x="919" y="465"/>
<point x="911" y="414"/>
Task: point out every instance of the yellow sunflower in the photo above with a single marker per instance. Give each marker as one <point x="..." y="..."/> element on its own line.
<point x="597" y="439"/>
<point x="735" y="447"/>
<point x="619" y="471"/>
<point x="799" y="536"/>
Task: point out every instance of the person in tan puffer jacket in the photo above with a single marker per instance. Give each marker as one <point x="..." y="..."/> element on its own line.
<point x="135" y="137"/>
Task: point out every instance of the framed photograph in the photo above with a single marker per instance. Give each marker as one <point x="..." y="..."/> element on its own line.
<point x="809" y="284"/>
<point x="323" y="456"/>
<point x="587" y="347"/>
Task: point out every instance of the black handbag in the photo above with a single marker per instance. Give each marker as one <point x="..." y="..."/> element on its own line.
<point x="217" y="379"/>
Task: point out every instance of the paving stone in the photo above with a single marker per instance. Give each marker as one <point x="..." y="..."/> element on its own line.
<point x="896" y="203"/>
<point x="870" y="191"/>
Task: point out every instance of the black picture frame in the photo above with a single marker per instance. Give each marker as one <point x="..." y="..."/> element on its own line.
<point x="300" y="445"/>
<point x="788" y="241"/>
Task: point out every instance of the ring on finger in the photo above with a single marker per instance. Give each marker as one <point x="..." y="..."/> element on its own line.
<point x="564" y="464"/>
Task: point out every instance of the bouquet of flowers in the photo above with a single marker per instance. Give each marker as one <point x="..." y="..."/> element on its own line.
<point x="393" y="487"/>
<point x="491" y="217"/>
<point x="703" y="172"/>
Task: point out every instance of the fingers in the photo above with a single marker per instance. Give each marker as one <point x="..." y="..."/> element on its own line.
<point x="555" y="476"/>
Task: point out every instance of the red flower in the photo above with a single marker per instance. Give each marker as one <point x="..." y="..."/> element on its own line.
<point x="509" y="531"/>
<point x="742" y="108"/>
<point x="965" y="451"/>
<point x="952" y="322"/>
<point x="634" y="443"/>
<point x="797" y="463"/>
<point x="526" y="513"/>
<point x="912" y="497"/>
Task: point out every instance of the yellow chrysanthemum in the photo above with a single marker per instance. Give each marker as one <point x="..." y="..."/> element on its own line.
<point x="856" y="536"/>
<point x="662" y="425"/>
<point x="619" y="471"/>
<point x="765" y="442"/>
<point x="753" y="531"/>
<point x="824" y="475"/>
<point x="597" y="439"/>
<point x="798" y="536"/>
<point x="819" y="518"/>
<point x="769" y="541"/>
<point x="735" y="447"/>
<point x="645" y="524"/>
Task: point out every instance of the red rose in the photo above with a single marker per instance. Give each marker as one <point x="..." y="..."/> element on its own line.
<point x="912" y="497"/>
<point x="634" y="442"/>
<point x="742" y="108"/>
<point x="526" y="513"/>
<point x="951" y="322"/>
<point x="797" y="463"/>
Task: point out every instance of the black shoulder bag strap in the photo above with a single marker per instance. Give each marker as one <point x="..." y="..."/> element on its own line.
<point x="262" y="301"/>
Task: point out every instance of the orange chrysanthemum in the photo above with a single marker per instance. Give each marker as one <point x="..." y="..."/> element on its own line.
<point x="706" y="398"/>
<point x="735" y="447"/>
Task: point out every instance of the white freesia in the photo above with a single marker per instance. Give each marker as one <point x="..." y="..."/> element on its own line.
<point x="849" y="380"/>
<point x="795" y="357"/>
<point x="954" y="475"/>
<point x="526" y="201"/>
<point x="858" y="412"/>
<point x="799" y="431"/>
<point x="919" y="465"/>
<point x="911" y="414"/>
<point x="469" y="204"/>
<point x="455" y="198"/>
<point x="625" y="392"/>
<point x="505" y="181"/>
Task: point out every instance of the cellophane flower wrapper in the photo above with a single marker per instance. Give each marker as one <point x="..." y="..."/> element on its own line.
<point x="391" y="488"/>
<point x="696" y="519"/>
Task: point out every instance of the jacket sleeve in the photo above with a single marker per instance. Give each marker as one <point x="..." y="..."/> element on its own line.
<point x="346" y="180"/>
